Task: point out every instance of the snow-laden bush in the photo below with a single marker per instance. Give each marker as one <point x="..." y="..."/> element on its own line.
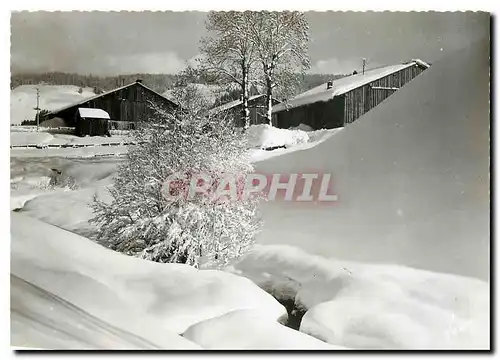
<point x="140" y="220"/>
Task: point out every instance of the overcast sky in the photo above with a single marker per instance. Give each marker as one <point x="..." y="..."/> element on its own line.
<point x="110" y="43"/>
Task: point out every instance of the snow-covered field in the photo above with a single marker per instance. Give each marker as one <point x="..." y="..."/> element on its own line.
<point x="52" y="97"/>
<point x="399" y="262"/>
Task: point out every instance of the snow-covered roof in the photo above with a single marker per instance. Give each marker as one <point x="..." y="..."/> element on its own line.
<point x="231" y="105"/>
<point x="344" y="85"/>
<point x="421" y="63"/>
<point x="93" y="113"/>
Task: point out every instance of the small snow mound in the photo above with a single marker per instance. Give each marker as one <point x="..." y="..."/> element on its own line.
<point x="250" y="330"/>
<point x="303" y="127"/>
<point x="265" y="136"/>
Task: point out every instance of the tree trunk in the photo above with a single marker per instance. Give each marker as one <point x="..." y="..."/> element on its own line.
<point x="269" y="98"/>
<point x="245" y="112"/>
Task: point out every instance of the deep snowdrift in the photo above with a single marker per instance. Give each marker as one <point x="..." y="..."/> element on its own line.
<point x="134" y="295"/>
<point x="367" y="306"/>
<point x="412" y="177"/>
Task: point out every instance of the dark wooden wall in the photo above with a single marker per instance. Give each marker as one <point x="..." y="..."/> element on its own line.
<point x="257" y="107"/>
<point x="319" y="115"/>
<point x="361" y="100"/>
<point x="128" y="104"/>
<point x="91" y="126"/>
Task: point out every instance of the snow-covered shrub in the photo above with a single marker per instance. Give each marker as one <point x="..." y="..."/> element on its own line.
<point x="58" y="179"/>
<point x="140" y="220"/>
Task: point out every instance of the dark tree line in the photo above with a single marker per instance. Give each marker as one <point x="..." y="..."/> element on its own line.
<point x="157" y="82"/>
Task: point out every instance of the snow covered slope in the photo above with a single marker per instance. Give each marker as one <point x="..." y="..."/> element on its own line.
<point x="412" y="177"/>
<point x="52" y="97"/>
<point x="134" y="295"/>
<point x="42" y="320"/>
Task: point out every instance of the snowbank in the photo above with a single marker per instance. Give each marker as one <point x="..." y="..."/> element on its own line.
<point x="250" y="330"/>
<point x="52" y="97"/>
<point x="266" y="136"/>
<point x="303" y="127"/>
<point x="313" y="138"/>
<point x="368" y="306"/>
<point x="134" y="295"/>
<point x="411" y="176"/>
<point x="67" y="209"/>
<point x="42" y="320"/>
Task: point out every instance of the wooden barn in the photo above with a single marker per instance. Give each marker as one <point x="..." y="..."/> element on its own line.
<point x="340" y="102"/>
<point x="126" y="106"/>
<point x="233" y="109"/>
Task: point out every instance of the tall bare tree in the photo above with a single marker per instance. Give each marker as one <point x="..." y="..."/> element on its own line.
<point x="281" y="45"/>
<point x="229" y="54"/>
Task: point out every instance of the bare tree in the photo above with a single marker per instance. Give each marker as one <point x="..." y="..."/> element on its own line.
<point x="229" y="54"/>
<point x="281" y="45"/>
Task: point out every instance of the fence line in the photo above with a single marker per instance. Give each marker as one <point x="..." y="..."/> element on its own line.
<point x="63" y="146"/>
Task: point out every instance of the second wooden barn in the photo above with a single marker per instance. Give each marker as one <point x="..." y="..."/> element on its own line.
<point x="233" y="110"/>
<point x="340" y="102"/>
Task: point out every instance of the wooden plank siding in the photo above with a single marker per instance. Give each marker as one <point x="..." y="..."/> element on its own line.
<point x="361" y="100"/>
<point x="257" y="108"/>
<point x="319" y="115"/>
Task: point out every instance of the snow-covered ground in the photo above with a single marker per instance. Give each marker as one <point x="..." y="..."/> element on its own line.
<point x="52" y="97"/>
<point x="45" y="138"/>
<point x="374" y="306"/>
<point x="372" y="271"/>
<point x="259" y="138"/>
<point x="138" y="296"/>
<point x="84" y="152"/>
<point x="42" y="320"/>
